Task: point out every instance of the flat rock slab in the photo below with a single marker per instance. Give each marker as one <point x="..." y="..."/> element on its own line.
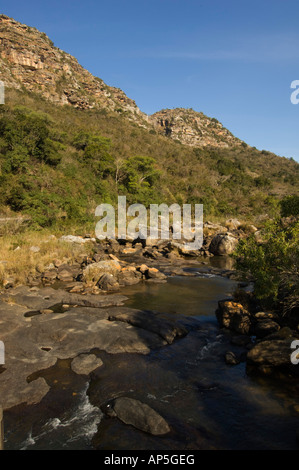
<point x="150" y="321"/>
<point x="85" y="364"/>
<point x="45" y="298"/>
<point x="35" y="344"/>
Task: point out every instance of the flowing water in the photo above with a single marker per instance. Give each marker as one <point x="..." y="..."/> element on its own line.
<point x="208" y="404"/>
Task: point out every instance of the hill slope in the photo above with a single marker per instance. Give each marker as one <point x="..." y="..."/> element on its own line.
<point x="68" y="145"/>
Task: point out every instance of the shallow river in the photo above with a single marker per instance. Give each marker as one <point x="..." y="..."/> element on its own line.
<point x="208" y="404"/>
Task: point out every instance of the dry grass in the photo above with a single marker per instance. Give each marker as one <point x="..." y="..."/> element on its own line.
<point x="17" y="261"/>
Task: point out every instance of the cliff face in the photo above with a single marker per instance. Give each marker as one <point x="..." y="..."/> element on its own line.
<point x="28" y="58"/>
<point x="192" y="128"/>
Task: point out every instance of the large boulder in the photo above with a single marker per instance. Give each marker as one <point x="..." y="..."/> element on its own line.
<point x="94" y="272"/>
<point x="223" y="244"/>
<point x="266" y="327"/>
<point x="139" y="415"/>
<point x="272" y="357"/>
<point x="233" y="316"/>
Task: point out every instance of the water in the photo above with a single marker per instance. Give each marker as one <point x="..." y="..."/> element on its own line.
<point x="208" y="404"/>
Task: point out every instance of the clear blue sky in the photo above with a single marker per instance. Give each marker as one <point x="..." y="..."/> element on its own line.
<point x="233" y="60"/>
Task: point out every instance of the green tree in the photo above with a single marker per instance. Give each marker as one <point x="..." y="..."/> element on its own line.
<point x="273" y="264"/>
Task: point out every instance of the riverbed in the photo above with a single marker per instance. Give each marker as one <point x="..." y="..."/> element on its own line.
<point x="207" y="403"/>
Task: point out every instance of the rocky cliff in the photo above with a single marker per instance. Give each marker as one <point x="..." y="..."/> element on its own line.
<point x="192" y="128"/>
<point x="29" y="59"/>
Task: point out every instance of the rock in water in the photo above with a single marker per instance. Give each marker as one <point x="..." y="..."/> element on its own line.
<point x="139" y="415"/>
<point x="234" y="316"/>
<point x="223" y="244"/>
<point x="85" y="364"/>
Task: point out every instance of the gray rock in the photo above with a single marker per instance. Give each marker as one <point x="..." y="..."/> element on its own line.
<point x="93" y="272"/>
<point x="108" y="283"/>
<point x="149" y="321"/>
<point x="141" y="416"/>
<point x="74" y="239"/>
<point x="223" y="244"/>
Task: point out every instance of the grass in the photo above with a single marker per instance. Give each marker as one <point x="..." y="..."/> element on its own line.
<point x="18" y="262"/>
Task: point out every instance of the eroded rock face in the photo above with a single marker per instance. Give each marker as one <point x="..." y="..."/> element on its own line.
<point x="192" y="128"/>
<point x="138" y="414"/>
<point x="29" y="58"/>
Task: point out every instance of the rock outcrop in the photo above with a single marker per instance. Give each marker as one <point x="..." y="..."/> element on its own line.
<point x="28" y="58"/>
<point x="193" y="128"/>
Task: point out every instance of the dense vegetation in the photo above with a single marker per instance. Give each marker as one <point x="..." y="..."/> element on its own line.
<point x="274" y="263"/>
<point x="58" y="163"/>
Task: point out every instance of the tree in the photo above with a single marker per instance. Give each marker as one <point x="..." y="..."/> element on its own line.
<point x="273" y="264"/>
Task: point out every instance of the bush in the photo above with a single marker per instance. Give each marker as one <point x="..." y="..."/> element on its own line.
<point x="273" y="264"/>
<point x="290" y="206"/>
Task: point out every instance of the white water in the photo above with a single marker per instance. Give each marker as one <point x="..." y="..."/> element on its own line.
<point x="78" y="424"/>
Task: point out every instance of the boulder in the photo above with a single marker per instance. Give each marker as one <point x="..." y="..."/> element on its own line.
<point x="108" y="283"/>
<point x="233" y="316"/>
<point x="233" y="224"/>
<point x="138" y="414"/>
<point x="231" y="359"/>
<point x="223" y="244"/>
<point x="266" y="327"/>
<point x="272" y="357"/>
<point x="93" y="272"/>
<point x="154" y="273"/>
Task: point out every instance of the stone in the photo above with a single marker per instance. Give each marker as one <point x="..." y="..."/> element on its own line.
<point x="153" y="273"/>
<point x="75" y="239"/>
<point x="141" y="416"/>
<point x="231" y="359"/>
<point x="93" y="272"/>
<point x="272" y="357"/>
<point x="129" y="277"/>
<point x="266" y="327"/>
<point x="233" y="316"/>
<point x="143" y="268"/>
<point x="223" y="244"/>
<point x="84" y="364"/>
<point x="233" y="224"/>
<point x="35" y="249"/>
<point x="168" y="330"/>
<point x="108" y="282"/>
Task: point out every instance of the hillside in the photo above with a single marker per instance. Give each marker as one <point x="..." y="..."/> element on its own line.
<point x="68" y="142"/>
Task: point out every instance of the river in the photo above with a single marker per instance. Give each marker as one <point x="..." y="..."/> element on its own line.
<point x="208" y="404"/>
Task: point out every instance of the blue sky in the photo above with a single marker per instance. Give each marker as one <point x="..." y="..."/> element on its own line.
<point x="233" y="60"/>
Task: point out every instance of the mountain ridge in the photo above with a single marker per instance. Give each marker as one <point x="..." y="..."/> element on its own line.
<point x="44" y="68"/>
